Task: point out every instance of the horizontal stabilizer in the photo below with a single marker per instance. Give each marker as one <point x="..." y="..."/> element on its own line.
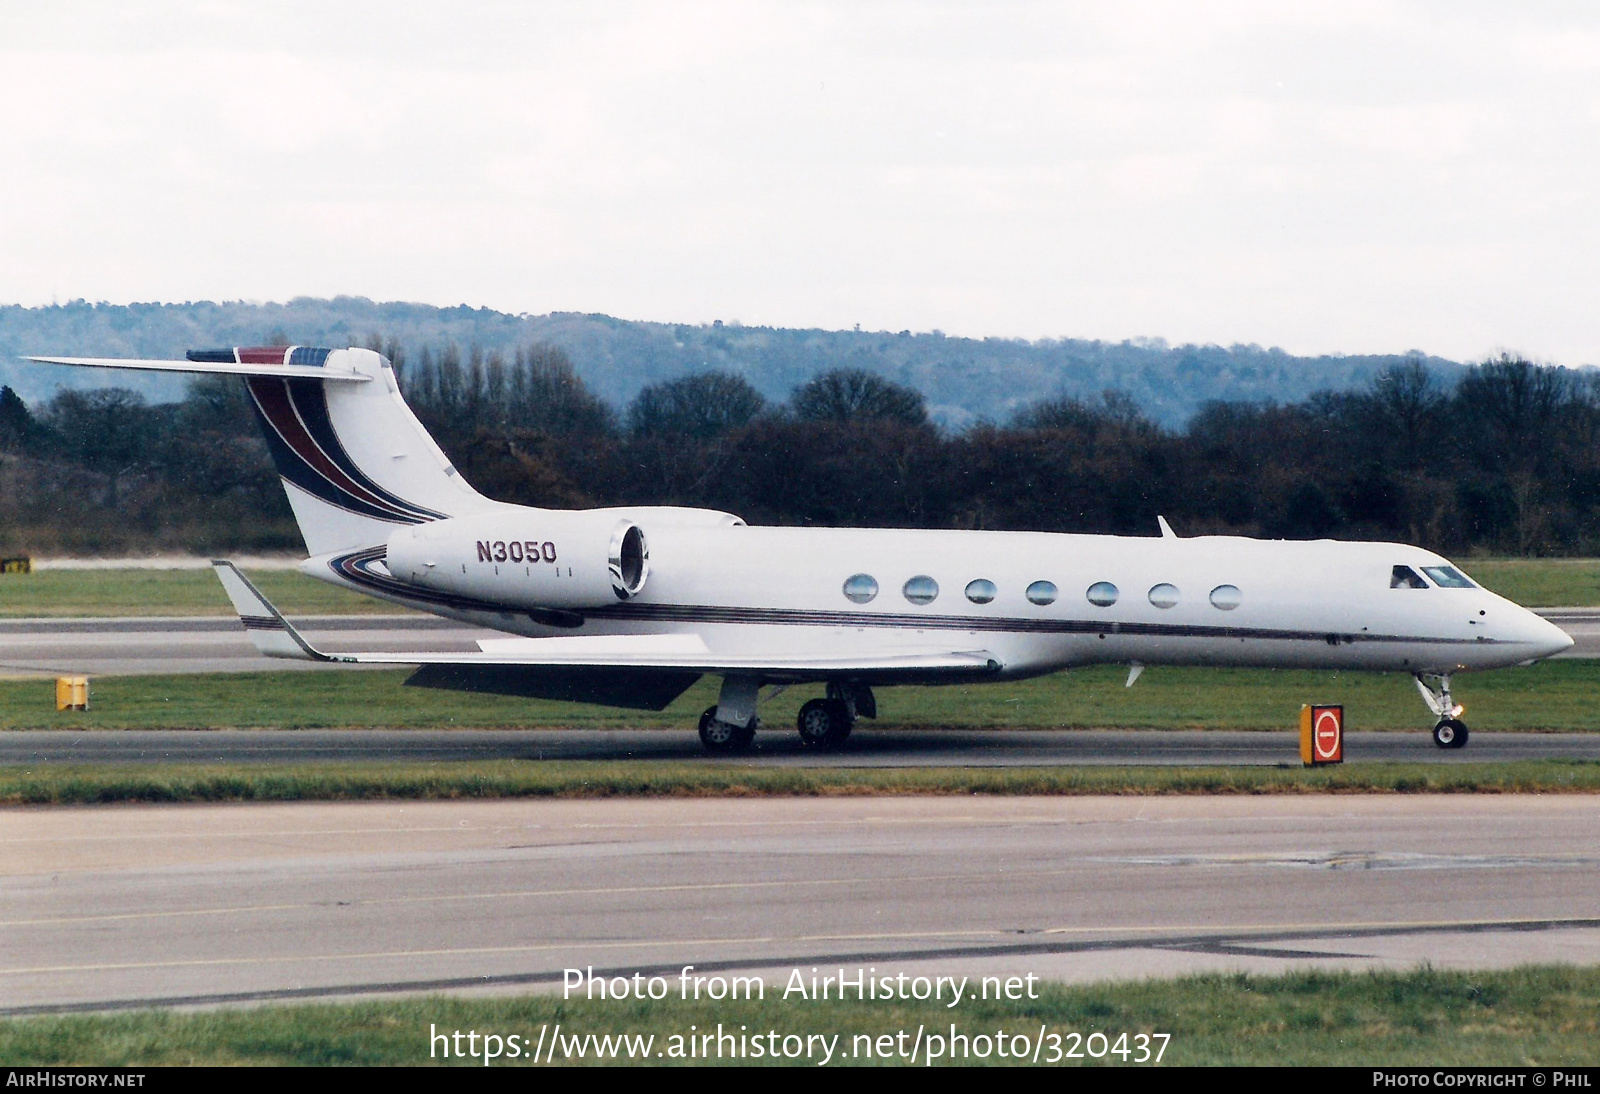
<point x="226" y="368"/>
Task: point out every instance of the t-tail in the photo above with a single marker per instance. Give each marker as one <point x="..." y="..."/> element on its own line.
<point x="355" y="462"/>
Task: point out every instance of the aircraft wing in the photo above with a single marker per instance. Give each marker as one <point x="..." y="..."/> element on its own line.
<point x="274" y="636"/>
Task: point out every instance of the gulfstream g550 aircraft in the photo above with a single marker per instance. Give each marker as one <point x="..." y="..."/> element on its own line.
<point x="631" y="605"/>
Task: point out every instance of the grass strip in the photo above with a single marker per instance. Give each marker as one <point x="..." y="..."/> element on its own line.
<point x="107" y="783"/>
<point x="1528" y="1016"/>
<point x="1540" y="582"/>
<point x="1554" y="695"/>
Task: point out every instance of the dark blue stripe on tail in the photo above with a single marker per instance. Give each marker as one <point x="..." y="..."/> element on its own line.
<point x="309" y="355"/>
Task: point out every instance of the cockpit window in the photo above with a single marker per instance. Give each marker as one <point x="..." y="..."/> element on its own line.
<point x="1448" y="577"/>
<point x="1404" y="577"/>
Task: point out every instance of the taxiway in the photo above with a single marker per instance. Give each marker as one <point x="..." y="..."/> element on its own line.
<point x="202" y="905"/>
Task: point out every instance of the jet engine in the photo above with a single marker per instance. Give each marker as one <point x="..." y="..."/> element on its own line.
<point x="526" y="558"/>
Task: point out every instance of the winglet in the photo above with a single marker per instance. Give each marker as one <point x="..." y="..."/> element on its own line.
<point x="1166" y="529"/>
<point x="269" y="631"/>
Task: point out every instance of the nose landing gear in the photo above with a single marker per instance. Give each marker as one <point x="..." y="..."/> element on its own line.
<point x="1450" y="731"/>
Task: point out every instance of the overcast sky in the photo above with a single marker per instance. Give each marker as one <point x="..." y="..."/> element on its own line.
<point x="1357" y="177"/>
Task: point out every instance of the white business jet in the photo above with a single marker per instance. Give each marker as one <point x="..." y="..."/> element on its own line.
<point x="630" y="605"/>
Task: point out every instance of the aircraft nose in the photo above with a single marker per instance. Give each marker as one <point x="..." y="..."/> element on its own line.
<point x="1545" y="638"/>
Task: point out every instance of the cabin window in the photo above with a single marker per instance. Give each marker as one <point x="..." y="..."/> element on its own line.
<point x="981" y="591"/>
<point x="1164" y="595"/>
<point x="1404" y="577"/>
<point x="921" y="589"/>
<point x="861" y="588"/>
<point x="1226" y="597"/>
<point x="1102" y="594"/>
<point x="1042" y="593"/>
<point x="1448" y="577"/>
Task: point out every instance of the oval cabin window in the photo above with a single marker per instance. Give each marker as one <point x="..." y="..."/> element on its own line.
<point x="921" y="589"/>
<point x="1164" y="595"/>
<point x="861" y="588"/>
<point x="1042" y="593"/>
<point x="1102" y="594"/>
<point x="1226" y="597"/>
<point x="981" y="591"/>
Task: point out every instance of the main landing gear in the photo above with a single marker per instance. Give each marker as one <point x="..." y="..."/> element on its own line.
<point x="1450" y="731"/>
<point x="824" y="724"/>
<point x="730" y="726"/>
<point x="720" y="736"/>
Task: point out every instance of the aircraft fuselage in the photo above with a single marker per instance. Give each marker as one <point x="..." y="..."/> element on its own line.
<point x="1041" y="601"/>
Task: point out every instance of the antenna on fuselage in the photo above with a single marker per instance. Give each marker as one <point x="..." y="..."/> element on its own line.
<point x="1166" y="529"/>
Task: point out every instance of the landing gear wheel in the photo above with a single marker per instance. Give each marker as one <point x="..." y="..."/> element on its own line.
<point x="723" y="738"/>
<point x="824" y="723"/>
<point x="1450" y="733"/>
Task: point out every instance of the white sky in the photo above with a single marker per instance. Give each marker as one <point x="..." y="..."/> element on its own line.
<point x="1351" y="176"/>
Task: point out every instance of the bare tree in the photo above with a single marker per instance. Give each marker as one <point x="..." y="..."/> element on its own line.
<point x="705" y="405"/>
<point x="853" y="394"/>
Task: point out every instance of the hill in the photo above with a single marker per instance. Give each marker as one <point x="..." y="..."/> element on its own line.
<point x="965" y="379"/>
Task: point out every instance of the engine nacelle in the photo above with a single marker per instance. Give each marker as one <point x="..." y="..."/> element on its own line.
<point x="530" y="558"/>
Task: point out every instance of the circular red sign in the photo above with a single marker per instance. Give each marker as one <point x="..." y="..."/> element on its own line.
<point x="1327" y="734"/>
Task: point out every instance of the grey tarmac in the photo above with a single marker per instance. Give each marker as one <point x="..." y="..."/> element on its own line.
<point x="198" y="905"/>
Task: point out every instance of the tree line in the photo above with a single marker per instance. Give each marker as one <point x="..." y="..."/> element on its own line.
<point x="1507" y="460"/>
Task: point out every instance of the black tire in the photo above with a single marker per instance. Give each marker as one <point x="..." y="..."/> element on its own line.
<point x="720" y="737"/>
<point x="823" y="723"/>
<point x="1450" y="733"/>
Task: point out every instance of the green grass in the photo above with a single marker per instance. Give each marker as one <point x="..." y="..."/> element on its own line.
<point x="1541" y="582"/>
<point x="97" y="784"/>
<point x="1555" y="695"/>
<point x="1531" y="1016"/>
<point x="168" y="592"/>
<point x="1533" y="582"/>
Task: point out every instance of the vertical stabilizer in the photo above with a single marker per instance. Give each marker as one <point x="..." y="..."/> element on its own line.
<point x="354" y="460"/>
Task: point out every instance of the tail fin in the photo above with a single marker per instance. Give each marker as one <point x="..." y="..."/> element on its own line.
<point x="354" y="460"/>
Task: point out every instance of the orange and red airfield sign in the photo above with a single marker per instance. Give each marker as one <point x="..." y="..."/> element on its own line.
<point x="1321" y="735"/>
